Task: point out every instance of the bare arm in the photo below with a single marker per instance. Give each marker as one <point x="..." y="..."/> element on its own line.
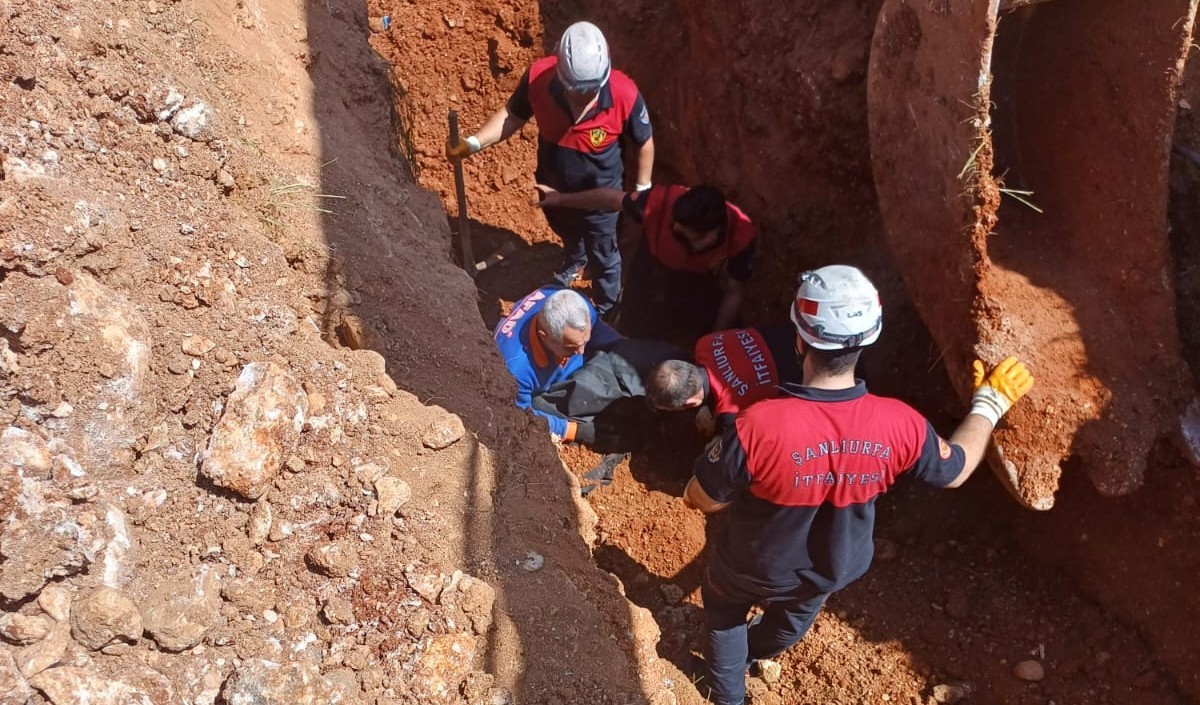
<point x="695" y="497"/>
<point x="645" y="162"/>
<point x="731" y="302"/>
<point x="499" y="127"/>
<point x="597" y="199"/>
<point x="973" y="436"/>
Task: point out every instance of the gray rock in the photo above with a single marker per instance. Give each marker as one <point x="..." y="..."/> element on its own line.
<point x="102" y="616"/>
<point x="179" y="613"/>
<point x="257" y="681"/>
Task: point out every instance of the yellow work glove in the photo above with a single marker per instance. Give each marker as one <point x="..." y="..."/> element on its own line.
<point x="996" y="392"/>
<point x="456" y="151"/>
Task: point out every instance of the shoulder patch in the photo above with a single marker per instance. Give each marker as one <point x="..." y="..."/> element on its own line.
<point x="644" y="117"/>
<point x="714" y="450"/>
<point x="944" y="449"/>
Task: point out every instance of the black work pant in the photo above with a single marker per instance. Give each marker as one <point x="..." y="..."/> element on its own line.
<point x="733" y="643"/>
<point x="590" y="237"/>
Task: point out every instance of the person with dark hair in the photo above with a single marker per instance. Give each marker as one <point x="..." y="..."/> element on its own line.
<point x="798" y="477"/>
<point x="733" y="369"/>
<point x="687" y="233"/>
<point x="583" y="108"/>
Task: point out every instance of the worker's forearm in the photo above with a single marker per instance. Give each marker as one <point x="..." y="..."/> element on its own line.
<point x="695" y="497"/>
<point x="645" y="162"/>
<point x="973" y="436"/>
<point x="727" y="312"/>
<point x="500" y="126"/>
<point x="597" y="199"/>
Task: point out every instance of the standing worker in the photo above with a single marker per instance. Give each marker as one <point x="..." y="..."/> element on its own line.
<point x="582" y="108"/>
<point x="800" y="476"/>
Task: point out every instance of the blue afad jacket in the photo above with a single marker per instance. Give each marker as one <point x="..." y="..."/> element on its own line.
<point x="529" y="362"/>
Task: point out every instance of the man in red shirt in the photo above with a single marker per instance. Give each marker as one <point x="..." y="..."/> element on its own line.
<point x="582" y="108"/>
<point x="733" y="369"/>
<point x="798" y="477"/>
<point x="686" y="233"/>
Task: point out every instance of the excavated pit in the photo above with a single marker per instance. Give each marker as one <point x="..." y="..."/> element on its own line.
<point x="778" y="105"/>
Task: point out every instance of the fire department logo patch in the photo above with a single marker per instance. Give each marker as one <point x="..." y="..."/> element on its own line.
<point x="943" y="449"/>
<point x="714" y="450"/>
<point x="597" y="136"/>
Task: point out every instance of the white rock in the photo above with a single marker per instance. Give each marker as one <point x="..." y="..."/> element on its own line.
<point x="14" y="690"/>
<point x="260" y="427"/>
<point x="35" y="658"/>
<point x="769" y="671"/>
<point x="444" y="432"/>
<point x="55" y="600"/>
<point x="171" y="103"/>
<point x="532" y="561"/>
<point x="179" y="613"/>
<point x="194" y="122"/>
<point x="393" y="493"/>
<point x="260" y="522"/>
<point x="23" y="629"/>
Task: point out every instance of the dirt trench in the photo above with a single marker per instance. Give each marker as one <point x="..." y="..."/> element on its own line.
<point x="771" y="104"/>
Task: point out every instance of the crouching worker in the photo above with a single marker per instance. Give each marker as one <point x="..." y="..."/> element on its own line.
<point x="543" y="342"/>
<point x="733" y="369"/>
<point x="690" y="236"/>
<point x="799" y="475"/>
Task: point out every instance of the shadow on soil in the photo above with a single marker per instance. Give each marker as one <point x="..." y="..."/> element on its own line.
<point x="421" y="308"/>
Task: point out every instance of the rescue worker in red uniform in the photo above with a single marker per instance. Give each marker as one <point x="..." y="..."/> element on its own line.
<point x="583" y="108"/>
<point x="733" y="369"/>
<point x="686" y="233"/>
<point x="798" y="477"/>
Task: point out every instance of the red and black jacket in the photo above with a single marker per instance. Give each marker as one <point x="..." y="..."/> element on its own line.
<point x="654" y="209"/>
<point x="746" y="365"/>
<point x="803" y="472"/>
<point x="584" y="155"/>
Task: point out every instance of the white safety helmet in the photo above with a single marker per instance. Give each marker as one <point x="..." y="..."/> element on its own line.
<point x="837" y="307"/>
<point x="583" y="64"/>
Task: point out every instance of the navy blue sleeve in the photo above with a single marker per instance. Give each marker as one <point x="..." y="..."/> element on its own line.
<point x="518" y="102"/>
<point x="741" y="265"/>
<point x="722" y="471"/>
<point x="637" y="125"/>
<point x="634" y="204"/>
<point x="603" y="337"/>
<point x="940" y="461"/>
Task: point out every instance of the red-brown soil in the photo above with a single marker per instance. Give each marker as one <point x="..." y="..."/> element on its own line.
<point x="294" y="232"/>
<point x="966" y="584"/>
<point x="1074" y="279"/>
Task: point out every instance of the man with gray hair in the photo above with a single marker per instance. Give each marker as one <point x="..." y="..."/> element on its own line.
<point x="543" y="342"/>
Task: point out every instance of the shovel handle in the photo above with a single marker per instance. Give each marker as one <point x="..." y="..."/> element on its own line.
<point x="460" y="189"/>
